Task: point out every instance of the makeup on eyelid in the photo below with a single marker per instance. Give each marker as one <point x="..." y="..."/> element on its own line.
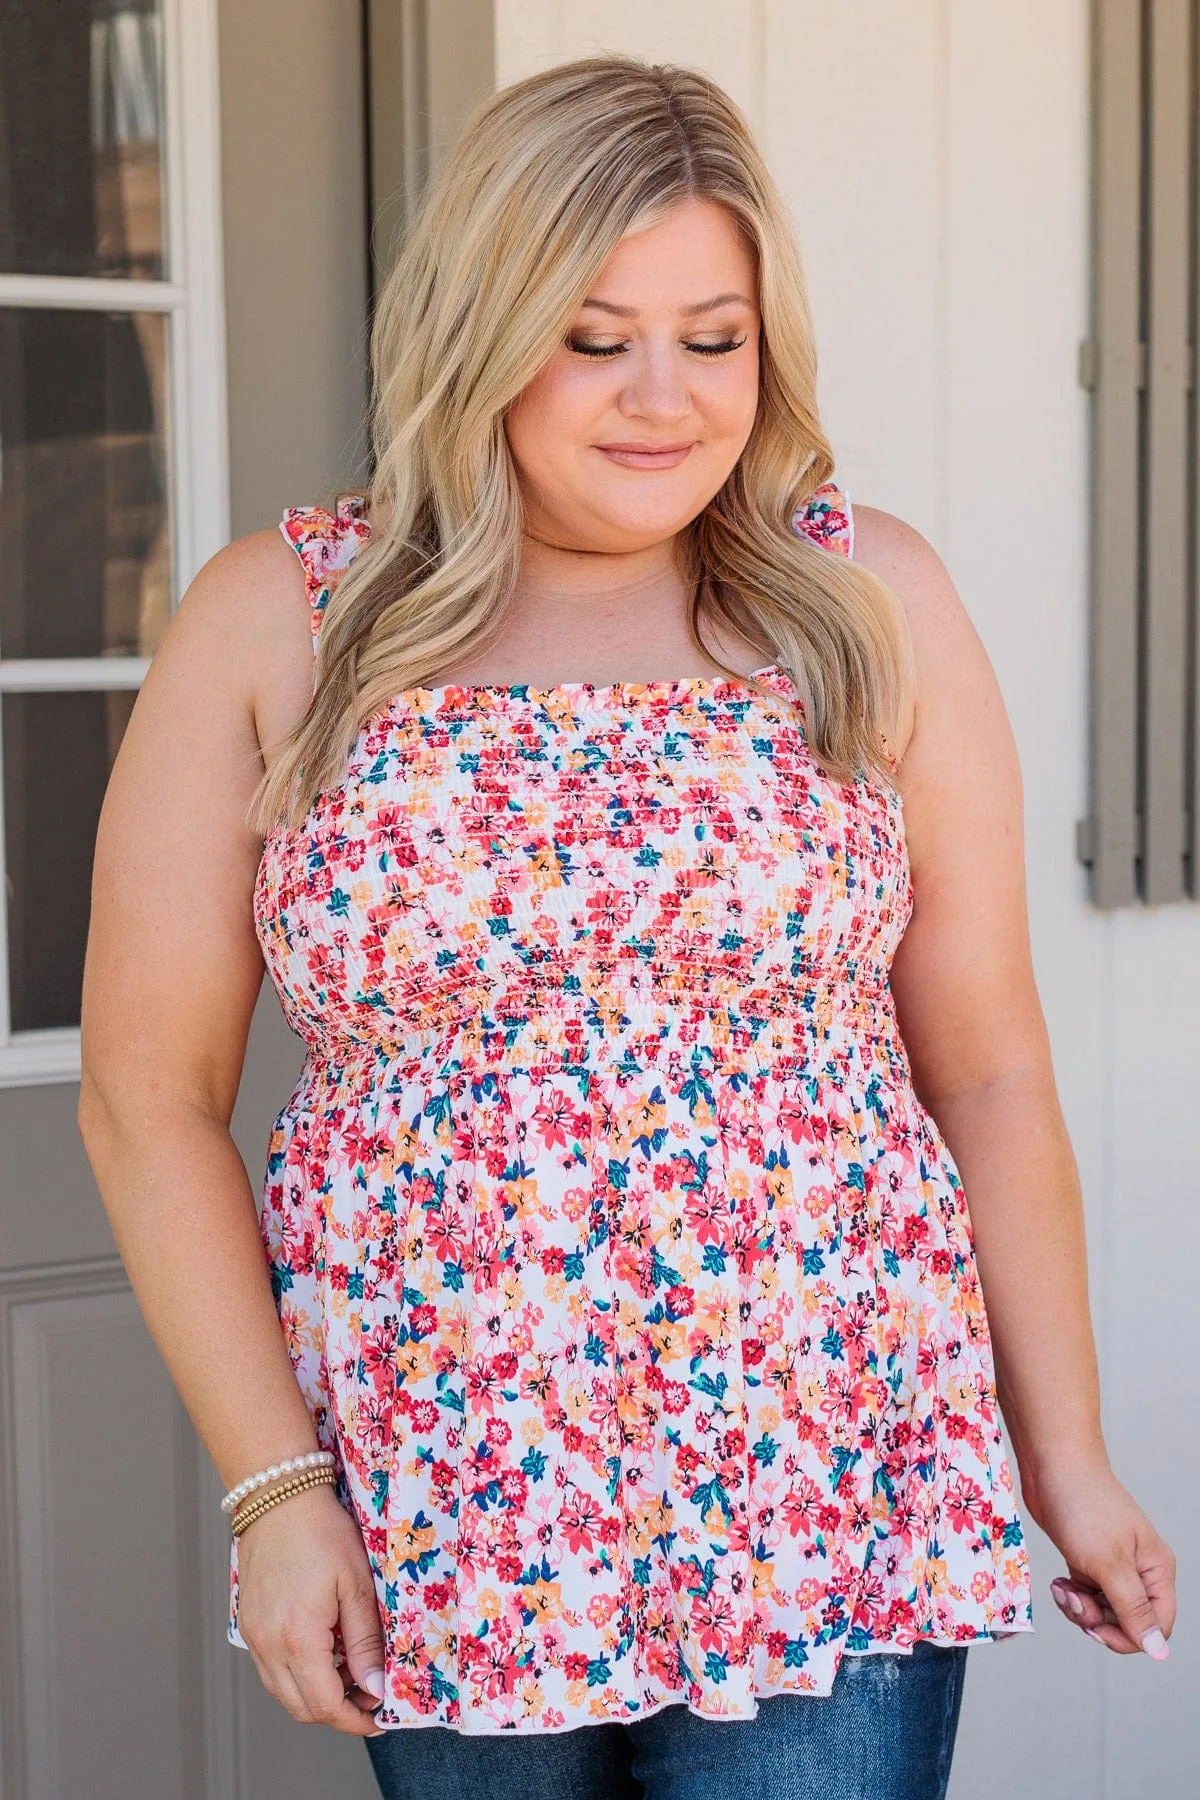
<point x="605" y="352"/>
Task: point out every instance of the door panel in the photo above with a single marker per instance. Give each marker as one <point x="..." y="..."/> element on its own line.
<point x="99" y="1570"/>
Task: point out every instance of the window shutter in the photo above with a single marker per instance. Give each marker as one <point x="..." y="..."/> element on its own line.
<point x="1139" y="836"/>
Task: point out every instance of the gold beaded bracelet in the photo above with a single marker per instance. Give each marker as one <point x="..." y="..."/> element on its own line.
<point x="295" y="1484"/>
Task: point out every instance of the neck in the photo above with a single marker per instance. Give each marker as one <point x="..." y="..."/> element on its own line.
<point x="553" y="572"/>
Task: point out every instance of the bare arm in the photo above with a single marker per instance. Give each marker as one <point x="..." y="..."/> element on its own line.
<point x="172" y="972"/>
<point x="972" y="1022"/>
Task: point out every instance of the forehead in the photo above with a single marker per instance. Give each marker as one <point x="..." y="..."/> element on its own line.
<point x="695" y="253"/>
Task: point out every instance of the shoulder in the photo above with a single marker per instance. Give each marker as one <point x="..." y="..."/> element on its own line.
<point x="943" y="635"/>
<point x="245" y="594"/>
<point x="243" y="624"/>
<point x="907" y="562"/>
<point x="244" y="590"/>
<point x="957" y="701"/>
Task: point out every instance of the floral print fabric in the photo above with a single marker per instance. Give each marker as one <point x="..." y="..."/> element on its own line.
<point x="615" y="1255"/>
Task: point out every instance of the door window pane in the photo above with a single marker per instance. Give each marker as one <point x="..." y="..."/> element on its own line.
<point x="85" y="544"/>
<point x="81" y="180"/>
<point x="58" y="752"/>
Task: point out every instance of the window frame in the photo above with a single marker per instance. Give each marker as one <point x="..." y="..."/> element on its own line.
<point x="192" y="295"/>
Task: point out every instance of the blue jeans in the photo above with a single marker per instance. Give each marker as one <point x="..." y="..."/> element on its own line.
<point x="886" y="1732"/>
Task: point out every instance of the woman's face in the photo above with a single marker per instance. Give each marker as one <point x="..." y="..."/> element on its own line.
<point x="639" y="416"/>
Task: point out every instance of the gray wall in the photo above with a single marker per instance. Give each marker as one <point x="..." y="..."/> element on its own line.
<point x="295" y="251"/>
<point x="293" y="149"/>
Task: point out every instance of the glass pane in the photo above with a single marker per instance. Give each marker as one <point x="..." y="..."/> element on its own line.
<point x="81" y="180"/>
<point x="58" y="752"/>
<point x="85" y="547"/>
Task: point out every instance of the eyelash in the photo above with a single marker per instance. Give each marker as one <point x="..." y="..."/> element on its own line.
<point x="607" y="350"/>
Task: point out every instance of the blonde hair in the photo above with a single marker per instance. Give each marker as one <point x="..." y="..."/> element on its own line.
<point x="546" y="177"/>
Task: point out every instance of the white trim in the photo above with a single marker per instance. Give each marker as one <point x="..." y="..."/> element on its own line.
<point x="51" y="674"/>
<point x="196" y="260"/>
<point x="91" y="293"/>
<point x="197" y="429"/>
<point x="37" y="1058"/>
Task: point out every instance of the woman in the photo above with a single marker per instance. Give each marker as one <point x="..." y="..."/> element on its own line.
<point x="641" y="860"/>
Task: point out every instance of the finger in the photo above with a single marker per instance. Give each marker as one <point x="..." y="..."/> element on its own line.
<point x="362" y="1637"/>
<point x="310" y="1661"/>
<point x="1126" y="1593"/>
<point x="279" y="1682"/>
<point x="1096" y="1611"/>
<point x="1158" y="1578"/>
<point x="1113" y="1638"/>
<point x="1085" y="1602"/>
<point x="1082" y="1606"/>
<point x="326" y="1706"/>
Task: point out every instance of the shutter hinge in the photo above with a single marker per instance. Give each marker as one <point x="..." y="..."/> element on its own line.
<point x="1089" y="367"/>
<point x="1085" y="837"/>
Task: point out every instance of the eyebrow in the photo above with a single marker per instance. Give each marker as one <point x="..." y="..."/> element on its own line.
<point x="702" y="306"/>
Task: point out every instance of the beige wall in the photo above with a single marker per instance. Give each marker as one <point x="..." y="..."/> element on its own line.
<point x="935" y="157"/>
<point x="295" y="251"/>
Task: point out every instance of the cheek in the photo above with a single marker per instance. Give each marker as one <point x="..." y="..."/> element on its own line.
<point x="558" y="408"/>
<point x="731" y="400"/>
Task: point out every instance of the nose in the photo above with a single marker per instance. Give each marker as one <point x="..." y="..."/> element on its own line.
<point x="657" y="386"/>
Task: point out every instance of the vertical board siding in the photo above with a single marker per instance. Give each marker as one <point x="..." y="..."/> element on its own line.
<point x="855" y="131"/>
<point x="706" y="34"/>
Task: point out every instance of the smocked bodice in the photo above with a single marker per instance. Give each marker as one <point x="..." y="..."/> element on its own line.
<point x="608" y="857"/>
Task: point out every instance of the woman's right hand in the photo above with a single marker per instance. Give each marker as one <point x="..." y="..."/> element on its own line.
<point x="303" y="1580"/>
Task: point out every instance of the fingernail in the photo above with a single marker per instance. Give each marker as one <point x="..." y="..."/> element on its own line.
<point x="373" y="1682"/>
<point x="1075" y="1604"/>
<point x="1060" y="1594"/>
<point x="1097" y="1637"/>
<point x="1155" y="1645"/>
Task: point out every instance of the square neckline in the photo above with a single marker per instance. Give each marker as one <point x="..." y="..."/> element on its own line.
<point x="623" y="692"/>
<point x="350" y="511"/>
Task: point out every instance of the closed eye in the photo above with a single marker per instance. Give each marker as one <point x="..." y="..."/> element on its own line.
<point x="618" y="349"/>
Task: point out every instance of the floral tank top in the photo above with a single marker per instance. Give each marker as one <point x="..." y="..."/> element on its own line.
<point x="616" y="1258"/>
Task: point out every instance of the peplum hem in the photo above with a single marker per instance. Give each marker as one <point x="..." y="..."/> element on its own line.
<point x="744" y="1422"/>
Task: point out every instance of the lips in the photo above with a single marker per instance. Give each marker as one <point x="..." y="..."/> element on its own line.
<point x="646" y="456"/>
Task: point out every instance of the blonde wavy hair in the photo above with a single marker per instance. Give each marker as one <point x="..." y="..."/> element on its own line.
<point x="545" y="178"/>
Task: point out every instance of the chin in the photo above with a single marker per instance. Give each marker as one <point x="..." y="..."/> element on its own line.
<point x="649" y="524"/>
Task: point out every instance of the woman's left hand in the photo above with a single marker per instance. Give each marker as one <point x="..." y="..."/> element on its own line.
<point x="1120" y="1581"/>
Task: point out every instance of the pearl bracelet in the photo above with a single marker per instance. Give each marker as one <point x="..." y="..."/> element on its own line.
<point x="316" y="1459"/>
